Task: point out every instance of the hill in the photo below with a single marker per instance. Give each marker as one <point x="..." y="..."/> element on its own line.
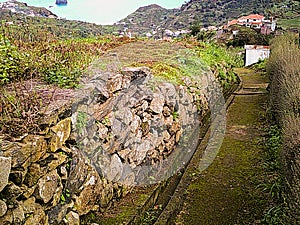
<point x="209" y="12"/>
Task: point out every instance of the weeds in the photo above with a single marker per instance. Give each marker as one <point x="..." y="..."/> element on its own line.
<point x="284" y="71"/>
<point x="274" y="185"/>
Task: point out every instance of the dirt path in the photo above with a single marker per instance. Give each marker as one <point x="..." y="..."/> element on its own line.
<point x="227" y="193"/>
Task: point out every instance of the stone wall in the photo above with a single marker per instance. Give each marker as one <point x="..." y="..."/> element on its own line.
<point x="123" y="129"/>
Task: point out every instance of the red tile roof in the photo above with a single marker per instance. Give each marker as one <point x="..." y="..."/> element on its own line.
<point x="253" y="16"/>
<point x="232" y="22"/>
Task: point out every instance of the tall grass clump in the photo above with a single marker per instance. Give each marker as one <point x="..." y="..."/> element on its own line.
<point x="283" y="68"/>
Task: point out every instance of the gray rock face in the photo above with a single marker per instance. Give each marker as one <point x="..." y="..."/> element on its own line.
<point x="5" y="167"/>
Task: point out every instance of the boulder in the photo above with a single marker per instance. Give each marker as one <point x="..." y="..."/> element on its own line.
<point x="5" y="167"/>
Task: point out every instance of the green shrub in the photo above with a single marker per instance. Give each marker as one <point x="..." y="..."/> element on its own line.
<point x="11" y="67"/>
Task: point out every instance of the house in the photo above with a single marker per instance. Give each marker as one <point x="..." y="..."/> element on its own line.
<point x="271" y="24"/>
<point x="254" y="53"/>
<point x="252" y="20"/>
<point x="255" y="21"/>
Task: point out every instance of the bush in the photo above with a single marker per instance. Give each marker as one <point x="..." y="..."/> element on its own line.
<point x="11" y="67"/>
<point x="284" y="71"/>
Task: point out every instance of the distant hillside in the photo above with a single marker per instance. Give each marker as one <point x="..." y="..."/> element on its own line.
<point x="147" y="18"/>
<point x="208" y="12"/>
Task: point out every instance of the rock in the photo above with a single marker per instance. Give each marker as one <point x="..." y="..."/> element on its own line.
<point x="29" y="192"/>
<point x="135" y="124"/>
<point x="166" y="111"/>
<point x="29" y="205"/>
<point x="168" y="121"/>
<point x="34" y="173"/>
<point x="64" y="173"/>
<point x="3" y="208"/>
<point x="136" y="72"/>
<point x="18" y="214"/>
<point x="102" y="110"/>
<point x="7" y="218"/>
<point x="178" y="135"/>
<point x="166" y="135"/>
<point x="72" y="218"/>
<point x="37" y="145"/>
<point x="54" y="160"/>
<point x="57" y="214"/>
<point x="23" y="154"/>
<point x="115" y="83"/>
<point x="62" y="132"/>
<point x="5" y="167"/>
<point x="107" y="194"/>
<point x="102" y="131"/>
<point x="38" y="215"/>
<point x="124" y="153"/>
<point x="141" y="151"/>
<point x="90" y="194"/>
<point x="157" y="103"/>
<point x="18" y="176"/>
<point x="174" y="128"/>
<point x="49" y="163"/>
<point x="13" y="191"/>
<point x="47" y="186"/>
<point x="78" y="172"/>
<point x="115" y="168"/>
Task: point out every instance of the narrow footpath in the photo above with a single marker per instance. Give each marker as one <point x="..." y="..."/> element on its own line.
<point x="227" y="192"/>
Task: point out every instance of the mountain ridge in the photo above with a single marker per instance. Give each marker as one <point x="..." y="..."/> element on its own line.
<point x="204" y="13"/>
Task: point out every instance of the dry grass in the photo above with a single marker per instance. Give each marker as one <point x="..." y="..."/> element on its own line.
<point x="284" y="70"/>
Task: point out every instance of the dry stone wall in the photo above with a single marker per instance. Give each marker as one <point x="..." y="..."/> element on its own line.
<point x="119" y="132"/>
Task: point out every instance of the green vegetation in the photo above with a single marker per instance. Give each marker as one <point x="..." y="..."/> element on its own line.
<point x="274" y="184"/>
<point x="221" y="61"/>
<point x="283" y="69"/>
<point x="43" y="55"/>
<point x="248" y="36"/>
<point x="33" y="58"/>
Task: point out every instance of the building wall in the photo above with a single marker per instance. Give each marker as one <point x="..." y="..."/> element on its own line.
<point x="255" y="53"/>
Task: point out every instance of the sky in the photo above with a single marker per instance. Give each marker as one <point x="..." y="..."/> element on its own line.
<point x="100" y="11"/>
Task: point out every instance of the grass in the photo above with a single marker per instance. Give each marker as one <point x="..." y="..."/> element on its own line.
<point x="227" y="193"/>
<point x="274" y="186"/>
<point x="293" y="23"/>
<point x="283" y="69"/>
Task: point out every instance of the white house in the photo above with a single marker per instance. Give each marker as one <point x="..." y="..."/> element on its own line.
<point x="254" y="53"/>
